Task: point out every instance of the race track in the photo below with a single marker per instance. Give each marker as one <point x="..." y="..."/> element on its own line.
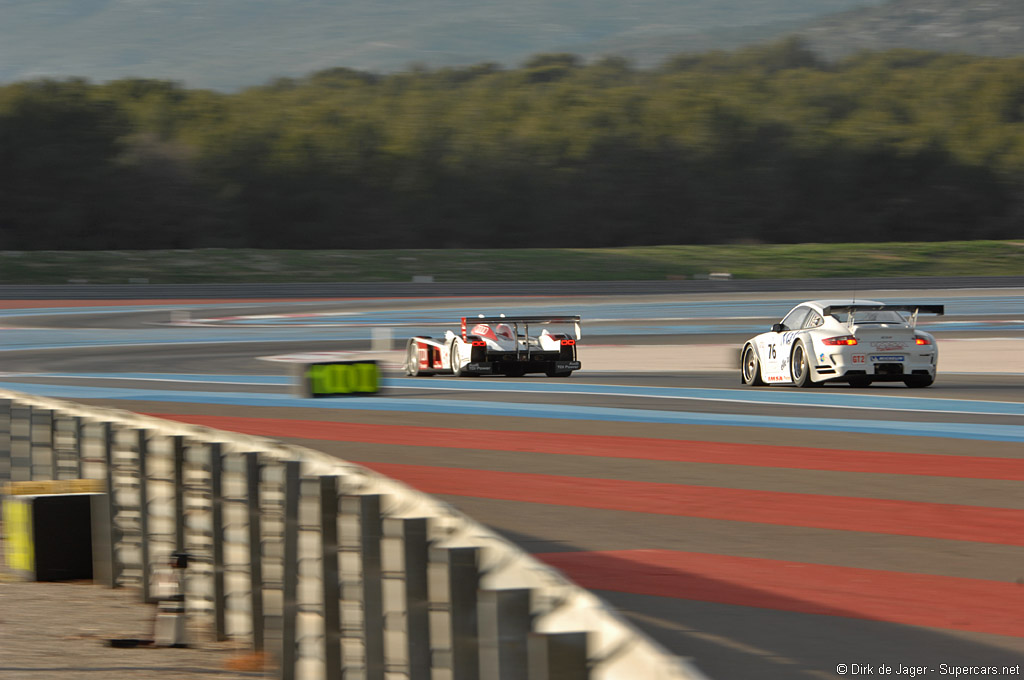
<point x="765" y="533"/>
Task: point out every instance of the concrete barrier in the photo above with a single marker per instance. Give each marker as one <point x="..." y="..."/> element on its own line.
<point x="332" y="569"/>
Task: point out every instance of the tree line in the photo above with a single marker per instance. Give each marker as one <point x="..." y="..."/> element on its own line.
<point x="767" y="144"/>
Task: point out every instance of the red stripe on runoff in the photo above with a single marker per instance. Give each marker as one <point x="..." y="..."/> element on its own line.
<point x="912" y="599"/>
<point x="901" y="518"/>
<point x="639" y="448"/>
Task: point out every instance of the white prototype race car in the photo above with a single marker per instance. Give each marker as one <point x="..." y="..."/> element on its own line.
<point x="497" y="345"/>
<point x="858" y="342"/>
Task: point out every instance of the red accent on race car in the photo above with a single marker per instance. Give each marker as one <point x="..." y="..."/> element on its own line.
<point x="919" y="340"/>
<point x="423" y="354"/>
<point x="484" y="330"/>
<point x="479" y="343"/>
<point x="568" y="342"/>
<point x="463" y="329"/>
<point x="840" y="340"/>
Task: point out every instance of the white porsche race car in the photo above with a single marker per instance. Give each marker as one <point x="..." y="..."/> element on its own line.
<point x="858" y="342"/>
<point x="497" y="345"/>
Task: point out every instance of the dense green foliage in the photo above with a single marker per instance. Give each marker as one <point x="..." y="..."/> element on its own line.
<point x="760" y="145"/>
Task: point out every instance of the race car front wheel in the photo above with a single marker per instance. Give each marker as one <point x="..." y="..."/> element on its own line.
<point x="412" y="359"/>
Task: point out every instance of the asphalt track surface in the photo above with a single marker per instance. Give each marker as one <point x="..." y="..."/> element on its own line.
<point x="765" y="533"/>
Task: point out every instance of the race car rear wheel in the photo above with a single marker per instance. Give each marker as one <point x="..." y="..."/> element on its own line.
<point x="552" y="373"/>
<point x="919" y="380"/>
<point x="453" y="360"/>
<point x="799" y="368"/>
<point x="860" y="381"/>
<point x="412" y="359"/>
<point x="751" y="368"/>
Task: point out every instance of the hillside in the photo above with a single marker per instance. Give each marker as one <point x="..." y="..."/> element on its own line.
<point x="229" y="44"/>
<point x="990" y="28"/>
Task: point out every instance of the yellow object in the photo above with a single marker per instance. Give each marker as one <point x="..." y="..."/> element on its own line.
<point x="18" y="533"/>
<point x="60" y="486"/>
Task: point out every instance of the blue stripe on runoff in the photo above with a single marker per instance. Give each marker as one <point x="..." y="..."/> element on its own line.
<point x="972" y="431"/>
<point x="777" y="397"/>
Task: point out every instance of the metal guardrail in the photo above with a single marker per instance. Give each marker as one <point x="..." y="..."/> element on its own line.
<point x="331" y="569"/>
<point x="154" y="291"/>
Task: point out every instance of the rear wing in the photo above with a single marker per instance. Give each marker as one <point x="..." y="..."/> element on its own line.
<point x="524" y="320"/>
<point x="913" y="310"/>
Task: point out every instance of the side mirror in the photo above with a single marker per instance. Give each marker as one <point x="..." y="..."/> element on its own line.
<point x="778" y="328"/>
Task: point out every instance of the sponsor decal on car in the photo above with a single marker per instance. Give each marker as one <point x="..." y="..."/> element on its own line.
<point x="887" y="346"/>
<point x="893" y="357"/>
<point x="858" y="358"/>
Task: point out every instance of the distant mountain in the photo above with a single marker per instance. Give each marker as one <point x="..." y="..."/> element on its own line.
<point x="988" y="28"/>
<point x="985" y="28"/>
<point x="229" y="44"/>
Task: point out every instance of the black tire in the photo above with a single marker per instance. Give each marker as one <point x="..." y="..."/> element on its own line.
<point x="917" y="381"/>
<point x="799" y="367"/>
<point x="552" y="373"/>
<point x="453" y="361"/>
<point x="412" y="360"/>
<point x="859" y="381"/>
<point x="750" y="371"/>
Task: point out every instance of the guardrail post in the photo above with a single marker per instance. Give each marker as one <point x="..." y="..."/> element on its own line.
<point x="107" y="435"/>
<point x="558" y="656"/>
<point x="404" y="552"/>
<point x="366" y="511"/>
<point x="252" y="482"/>
<point x="290" y="585"/>
<point x="178" y="446"/>
<point x="331" y="577"/>
<point x="21" y="446"/>
<point x="40" y="440"/>
<point x="217" y="511"/>
<point x="5" y="440"/>
<point x="504" y="626"/>
<point x="147" y="568"/>
<point x="66" y="459"/>
<point x="45" y="441"/>
<point x="78" y="448"/>
<point x="454" y="578"/>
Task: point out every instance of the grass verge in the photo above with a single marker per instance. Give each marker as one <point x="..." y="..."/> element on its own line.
<point x="810" y="260"/>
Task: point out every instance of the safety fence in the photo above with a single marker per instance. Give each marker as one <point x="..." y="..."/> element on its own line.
<point x="332" y="570"/>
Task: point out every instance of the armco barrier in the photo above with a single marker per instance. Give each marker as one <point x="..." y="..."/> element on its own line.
<point x="331" y="569"/>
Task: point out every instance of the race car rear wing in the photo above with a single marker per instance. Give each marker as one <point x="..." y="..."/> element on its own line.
<point x="525" y="320"/>
<point x="913" y="310"/>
